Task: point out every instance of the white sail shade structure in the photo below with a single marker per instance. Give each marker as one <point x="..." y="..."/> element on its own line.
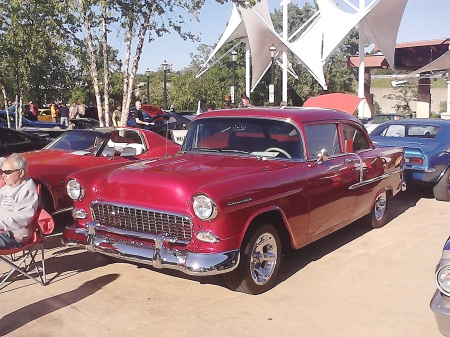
<point x="319" y="39"/>
<point x="384" y="32"/>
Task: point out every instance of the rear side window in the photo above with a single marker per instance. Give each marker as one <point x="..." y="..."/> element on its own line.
<point x="410" y="130"/>
<point x="354" y="139"/>
<point x="322" y="136"/>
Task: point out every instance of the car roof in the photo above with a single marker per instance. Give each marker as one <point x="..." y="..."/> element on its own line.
<point x="419" y="121"/>
<point x="299" y="115"/>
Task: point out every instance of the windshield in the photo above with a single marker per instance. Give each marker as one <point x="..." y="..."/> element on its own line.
<point x="78" y="141"/>
<point x="247" y="136"/>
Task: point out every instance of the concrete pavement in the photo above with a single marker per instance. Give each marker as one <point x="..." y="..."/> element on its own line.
<point x="356" y="282"/>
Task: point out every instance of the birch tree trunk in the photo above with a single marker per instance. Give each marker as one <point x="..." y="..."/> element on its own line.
<point x="141" y="36"/>
<point x="125" y="101"/>
<point x="93" y="65"/>
<point x="104" y="39"/>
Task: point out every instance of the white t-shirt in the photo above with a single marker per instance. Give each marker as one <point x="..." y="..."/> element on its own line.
<point x="18" y="205"/>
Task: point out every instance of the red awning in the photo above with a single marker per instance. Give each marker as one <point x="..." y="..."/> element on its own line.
<point x="337" y="101"/>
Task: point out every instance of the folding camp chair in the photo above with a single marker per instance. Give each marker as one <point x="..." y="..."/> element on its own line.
<point x="22" y="259"/>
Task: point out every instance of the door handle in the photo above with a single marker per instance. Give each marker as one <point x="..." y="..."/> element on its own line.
<point x="348" y="161"/>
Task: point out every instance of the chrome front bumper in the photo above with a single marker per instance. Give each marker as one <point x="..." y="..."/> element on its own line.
<point x="440" y="305"/>
<point x="157" y="255"/>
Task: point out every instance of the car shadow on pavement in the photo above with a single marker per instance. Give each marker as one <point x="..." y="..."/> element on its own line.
<point x="31" y="312"/>
<point x="294" y="260"/>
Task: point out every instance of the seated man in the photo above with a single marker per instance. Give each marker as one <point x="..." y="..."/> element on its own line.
<point x="18" y="203"/>
<point x="2" y="182"/>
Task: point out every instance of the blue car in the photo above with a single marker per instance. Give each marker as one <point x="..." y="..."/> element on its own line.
<point x="426" y="143"/>
<point x="26" y="122"/>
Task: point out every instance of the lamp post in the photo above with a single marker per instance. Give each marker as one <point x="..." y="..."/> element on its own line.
<point x="166" y="67"/>
<point x="233" y="80"/>
<point x="148" y="85"/>
<point x="273" y="51"/>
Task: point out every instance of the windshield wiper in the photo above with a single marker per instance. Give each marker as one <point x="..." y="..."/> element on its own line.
<point x="234" y="151"/>
<point x="204" y="149"/>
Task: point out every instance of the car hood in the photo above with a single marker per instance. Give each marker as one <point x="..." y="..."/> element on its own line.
<point x="170" y="183"/>
<point x="54" y="162"/>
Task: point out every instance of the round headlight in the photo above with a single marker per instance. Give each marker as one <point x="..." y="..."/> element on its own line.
<point x="204" y="207"/>
<point x="443" y="279"/>
<point x="74" y="190"/>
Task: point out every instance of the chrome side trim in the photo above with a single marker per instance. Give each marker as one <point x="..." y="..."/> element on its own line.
<point x="370" y="181"/>
<point x="200" y="264"/>
<point x="62" y="210"/>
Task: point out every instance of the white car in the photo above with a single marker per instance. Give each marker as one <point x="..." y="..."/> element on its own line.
<point x="381" y="118"/>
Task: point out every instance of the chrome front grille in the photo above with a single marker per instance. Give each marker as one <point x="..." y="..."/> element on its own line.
<point x="141" y="220"/>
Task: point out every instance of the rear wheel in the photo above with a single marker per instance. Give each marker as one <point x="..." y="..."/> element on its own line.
<point x="259" y="262"/>
<point x="442" y="190"/>
<point x="379" y="215"/>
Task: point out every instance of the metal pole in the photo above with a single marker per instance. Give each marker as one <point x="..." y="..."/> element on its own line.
<point x="165" y="89"/>
<point x="148" y="86"/>
<point x="233" y="79"/>
<point x="272" y="50"/>
<point x="285" y="4"/>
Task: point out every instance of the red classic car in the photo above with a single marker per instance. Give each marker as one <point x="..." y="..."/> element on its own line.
<point x="246" y="183"/>
<point x="79" y="149"/>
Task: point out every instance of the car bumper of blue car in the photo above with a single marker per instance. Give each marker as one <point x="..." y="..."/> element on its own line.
<point x="427" y="176"/>
<point x="440" y="305"/>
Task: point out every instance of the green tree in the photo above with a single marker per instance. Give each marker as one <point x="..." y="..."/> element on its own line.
<point x="403" y="95"/>
<point x="36" y="38"/>
<point x="443" y="106"/>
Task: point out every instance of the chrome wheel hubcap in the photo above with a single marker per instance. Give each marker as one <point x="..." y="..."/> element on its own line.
<point x="263" y="258"/>
<point x="380" y="206"/>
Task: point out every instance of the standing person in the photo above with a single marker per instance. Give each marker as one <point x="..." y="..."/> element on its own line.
<point x="33" y="108"/>
<point x="73" y="110"/>
<point x="64" y="114"/>
<point x="81" y="109"/>
<point x="139" y="117"/>
<point x="116" y="116"/>
<point x="172" y="108"/>
<point x="202" y="107"/>
<point x="26" y="112"/>
<point x="227" y="102"/>
<point x="245" y="102"/>
<point x="54" y="111"/>
<point x="18" y="203"/>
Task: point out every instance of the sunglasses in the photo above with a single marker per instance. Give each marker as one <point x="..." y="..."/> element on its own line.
<point x="8" y="172"/>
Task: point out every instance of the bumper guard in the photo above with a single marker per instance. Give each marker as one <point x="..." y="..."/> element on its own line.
<point x="199" y="264"/>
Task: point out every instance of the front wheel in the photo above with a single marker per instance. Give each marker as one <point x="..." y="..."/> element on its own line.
<point x="442" y="189"/>
<point x="379" y="215"/>
<point x="259" y="263"/>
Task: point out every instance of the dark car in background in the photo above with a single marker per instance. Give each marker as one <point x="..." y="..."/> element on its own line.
<point x="426" y="142"/>
<point x="170" y="125"/>
<point x="13" y="141"/>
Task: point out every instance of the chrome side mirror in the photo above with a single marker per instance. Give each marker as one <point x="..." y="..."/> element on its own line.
<point x="322" y="156"/>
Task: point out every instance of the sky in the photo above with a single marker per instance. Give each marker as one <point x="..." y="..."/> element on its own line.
<point x="422" y="20"/>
